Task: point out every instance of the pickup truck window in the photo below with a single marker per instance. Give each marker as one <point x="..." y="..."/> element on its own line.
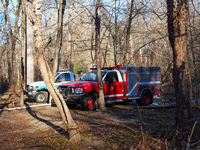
<point x="112" y="75"/>
<point x="57" y="73"/>
<point x="92" y="76"/>
<point x="63" y="77"/>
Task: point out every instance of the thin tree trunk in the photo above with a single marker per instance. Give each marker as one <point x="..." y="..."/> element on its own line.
<point x="59" y="37"/>
<point x="115" y="39"/>
<point x="13" y="33"/>
<point x="194" y="63"/>
<point x="59" y="40"/>
<point x="22" y="54"/>
<point x="56" y="29"/>
<point x="98" y="55"/>
<point x="47" y="76"/>
<point x="92" y="47"/>
<point x="127" y="49"/>
<point x="8" y="45"/>
<point x="71" y="32"/>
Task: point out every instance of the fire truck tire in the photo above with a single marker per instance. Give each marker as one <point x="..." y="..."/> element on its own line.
<point x="146" y="98"/>
<point x="89" y="103"/>
<point x="41" y="97"/>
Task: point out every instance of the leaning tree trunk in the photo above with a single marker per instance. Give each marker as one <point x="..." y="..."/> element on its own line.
<point x="47" y="76"/>
<point x="177" y="28"/>
<point x="98" y="55"/>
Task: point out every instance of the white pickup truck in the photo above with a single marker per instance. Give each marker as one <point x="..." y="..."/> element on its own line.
<point x="38" y="90"/>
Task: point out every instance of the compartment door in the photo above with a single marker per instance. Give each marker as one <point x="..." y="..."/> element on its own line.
<point x="132" y="85"/>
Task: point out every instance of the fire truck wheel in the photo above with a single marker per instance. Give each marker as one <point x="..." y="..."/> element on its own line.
<point x="41" y="97"/>
<point x="89" y="103"/>
<point x="146" y="98"/>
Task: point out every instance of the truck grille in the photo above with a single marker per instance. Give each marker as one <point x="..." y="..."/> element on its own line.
<point x="65" y="92"/>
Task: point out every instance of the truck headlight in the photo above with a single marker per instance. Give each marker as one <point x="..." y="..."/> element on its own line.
<point x="77" y="90"/>
<point x="31" y="88"/>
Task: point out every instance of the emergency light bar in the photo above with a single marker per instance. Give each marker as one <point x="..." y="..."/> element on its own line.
<point x="107" y="68"/>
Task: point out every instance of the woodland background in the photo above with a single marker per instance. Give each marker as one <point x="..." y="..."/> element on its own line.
<point x="132" y="33"/>
<point x="139" y="40"/>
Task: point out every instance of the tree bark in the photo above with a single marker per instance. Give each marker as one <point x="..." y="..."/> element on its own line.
<point x="47" y="76"/>
<point x="98" y="55"/>
<point x="30" y="43"/>
<point x="8" y="43"/>
<point x="13" y="32"/>
<point x="59" y="37"/>
<point x="71" y="33"/>
<point x="127" y="49"/>
<point x="58" y="40"/>
<point x="177" y="28"/>
<point x="22" y="53"/>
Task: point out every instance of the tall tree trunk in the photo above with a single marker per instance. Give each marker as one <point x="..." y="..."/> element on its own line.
<point x="13" y="32"/>
<point x="177" y="28"/>
<point x="194" y="63"/>
<point x="22" y="53"/>
<point x="58" y="40"/>
<point x="127" y="49"/>
<point x="55" y="36"/>
<point x="59" y="37"/>
<point x="98" y="55"/>
<point x="47" y="76"/>
<point x="71" y="33"/>
<point x="115" y="37"/>
<point x="8" y="45"/>
<point x="29" y="44"/>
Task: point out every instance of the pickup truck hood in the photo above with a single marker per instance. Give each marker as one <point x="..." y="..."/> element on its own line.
<point x="87" y="85"/>
<point x="39" y="83"/>
<point x="82" y="84"/>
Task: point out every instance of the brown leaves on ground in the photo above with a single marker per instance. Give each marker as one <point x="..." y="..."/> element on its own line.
<point x="121" y="127"/>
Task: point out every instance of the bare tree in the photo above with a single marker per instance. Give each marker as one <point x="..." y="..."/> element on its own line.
<point x="13" y="30"/>
<point x="47" y="76"/>
<point x="98" y="55"/>
<point x="177" y="28"/>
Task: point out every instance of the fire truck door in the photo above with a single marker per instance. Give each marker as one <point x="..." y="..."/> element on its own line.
<point x="113" y="89"/>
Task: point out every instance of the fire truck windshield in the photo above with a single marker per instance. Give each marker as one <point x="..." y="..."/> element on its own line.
<point x="92" y="76"/>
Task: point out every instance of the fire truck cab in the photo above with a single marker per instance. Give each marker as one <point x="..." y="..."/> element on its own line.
<point x="120" y="84"/>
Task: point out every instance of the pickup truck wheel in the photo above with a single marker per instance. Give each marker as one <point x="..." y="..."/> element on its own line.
<point x="146" y="98"/>
<point x="89" y="103"/>
<point x="41" y="97"/>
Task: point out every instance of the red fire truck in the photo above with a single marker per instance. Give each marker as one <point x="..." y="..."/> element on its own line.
<point x="121" y="84"/>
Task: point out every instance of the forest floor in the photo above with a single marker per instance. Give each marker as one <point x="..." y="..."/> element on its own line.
<point x="120" y="127"/>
